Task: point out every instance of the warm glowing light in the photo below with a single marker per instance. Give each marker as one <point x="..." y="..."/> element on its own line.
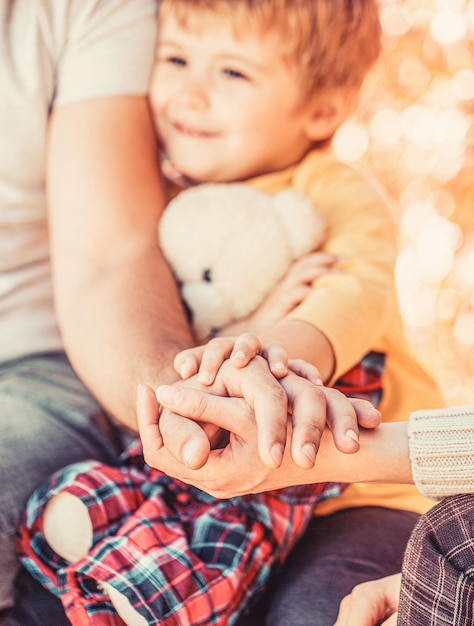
<point x="351" y="142"/>
<point x="436" y="246"/>
<point x="413" y="73"/>
<point x="464" y="328"/>
<point x="415" y="131"/>
<point x="385" y="127"/>
<point x="448" y="27"/>
<point x="463" y="84"/>
<point x="395" y="20"/>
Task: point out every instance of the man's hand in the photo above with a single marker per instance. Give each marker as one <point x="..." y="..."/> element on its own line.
<point x="371" y="603"/>
<point x="186" y="439"/>
<point x="237" y="467"/>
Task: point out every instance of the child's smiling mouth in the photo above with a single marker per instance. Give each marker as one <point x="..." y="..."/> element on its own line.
<point x="191" y="131"/>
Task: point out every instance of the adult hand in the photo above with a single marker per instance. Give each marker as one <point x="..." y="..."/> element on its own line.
<point x="371" y="603"/>
<point x="205" y="360"/>
<point x="186" y="439"/>
<point x="237" y="468"/>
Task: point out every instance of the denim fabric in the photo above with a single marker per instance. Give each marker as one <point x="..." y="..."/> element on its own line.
<point x="47" y="421"/>
<point x="337" y="552"/>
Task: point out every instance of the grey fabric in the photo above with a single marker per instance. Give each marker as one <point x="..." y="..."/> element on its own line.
<point x="337" y="552"/>
<point x="48" y="419"/>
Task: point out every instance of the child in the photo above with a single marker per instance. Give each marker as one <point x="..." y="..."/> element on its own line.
<point x="242" y="91"/>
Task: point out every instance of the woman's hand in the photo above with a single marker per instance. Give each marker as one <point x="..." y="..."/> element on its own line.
<point x="206" y="360"/>
<point x="371" y="603"/>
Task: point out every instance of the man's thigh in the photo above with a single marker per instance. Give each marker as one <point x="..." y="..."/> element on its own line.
<point x="48" y="420"/>
<point x="337" y="552"/>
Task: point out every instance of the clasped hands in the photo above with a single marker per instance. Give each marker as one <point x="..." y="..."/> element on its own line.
<point x="245" y="418"/>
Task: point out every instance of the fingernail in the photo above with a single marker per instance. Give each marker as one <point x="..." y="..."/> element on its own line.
<point x="168" y="395"/>
<point x="309" y="450"/>
<point x="186" y="370"/>
<point x="189" y="451"/>
<point x="239" y="355"/>
<point x="205" y="378"/>
<point x="352" y="435"/>
<point x="280" y="367"/>
<point x="276" y="452"/>
<point x="140" y="391"/>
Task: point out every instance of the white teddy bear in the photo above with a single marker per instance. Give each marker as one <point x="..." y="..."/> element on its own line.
<point x="229" y="244"/>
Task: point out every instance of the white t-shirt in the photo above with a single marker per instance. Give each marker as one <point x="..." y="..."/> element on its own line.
<point x="52" y="53"/>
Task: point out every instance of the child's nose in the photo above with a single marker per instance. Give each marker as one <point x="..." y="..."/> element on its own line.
<point x="195" y="95"/>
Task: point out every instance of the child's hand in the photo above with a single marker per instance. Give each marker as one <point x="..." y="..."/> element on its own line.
<point x="288" y="293"/>
<point x="206" y="360"/>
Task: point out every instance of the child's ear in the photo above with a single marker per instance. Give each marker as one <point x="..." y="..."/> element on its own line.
<point x="326" y="114"/>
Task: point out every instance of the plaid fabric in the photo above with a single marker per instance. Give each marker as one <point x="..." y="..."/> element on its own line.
<point x="180" y="556"/>
<point x="438" y="569"/>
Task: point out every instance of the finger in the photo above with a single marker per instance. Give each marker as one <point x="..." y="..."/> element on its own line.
<point x="148" y="418"/>
<point x="367" y="415"/>
<point x="186" y="362"/>
<point x="306" y="370"/>
<point x="353" y="612"/>
<point x="312" y="266"/>
<point x="246" y="347"/>
<point x="215" y="352"/>
<point x="183" y="437"/>
<point x="231" y="414"/>
<point x="392" y="620"/>
<point x="342" y="420"/>
<point x="269" y="402"/>
<point x="277" y="357"/>
<point x="308" y="403"/>
<point x="370" y="603"/>
<point x="315" y="259"/>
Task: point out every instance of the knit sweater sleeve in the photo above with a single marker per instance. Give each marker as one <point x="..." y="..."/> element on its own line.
<point x="442" y="451"/>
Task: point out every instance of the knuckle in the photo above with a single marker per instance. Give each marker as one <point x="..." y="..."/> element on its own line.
<point x="198" y="404"/>
<point x="279" y="395"/>
<point x="216" y="343"/>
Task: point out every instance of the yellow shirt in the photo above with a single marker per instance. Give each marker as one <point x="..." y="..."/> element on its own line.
<point x="356" y="309"/>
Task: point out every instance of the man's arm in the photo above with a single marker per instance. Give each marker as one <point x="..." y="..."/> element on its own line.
<point x="117" y="303"/>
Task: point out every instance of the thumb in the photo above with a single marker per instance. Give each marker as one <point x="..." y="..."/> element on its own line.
<point x="224" y="412"/>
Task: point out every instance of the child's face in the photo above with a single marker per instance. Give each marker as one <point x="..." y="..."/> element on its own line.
<point x="226" y="108"/>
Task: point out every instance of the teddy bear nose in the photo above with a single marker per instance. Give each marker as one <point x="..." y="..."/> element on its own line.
<point x="207" y="276"/>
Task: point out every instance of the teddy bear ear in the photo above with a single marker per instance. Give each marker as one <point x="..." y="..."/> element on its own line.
<point x="304" y="224"/>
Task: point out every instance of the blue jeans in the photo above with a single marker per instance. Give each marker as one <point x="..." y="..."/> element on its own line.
<point x="48" y="419"/>
<point x="336" y="552"/>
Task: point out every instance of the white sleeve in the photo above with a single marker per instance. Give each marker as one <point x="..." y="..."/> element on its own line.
<point x="103" y="47"/>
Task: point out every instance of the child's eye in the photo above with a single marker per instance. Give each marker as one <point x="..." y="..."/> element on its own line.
<point x="231" y="73"/>
<point x="176" y="60"/>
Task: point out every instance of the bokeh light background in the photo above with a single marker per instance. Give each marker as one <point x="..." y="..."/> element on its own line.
<point x="414" y="131"/>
